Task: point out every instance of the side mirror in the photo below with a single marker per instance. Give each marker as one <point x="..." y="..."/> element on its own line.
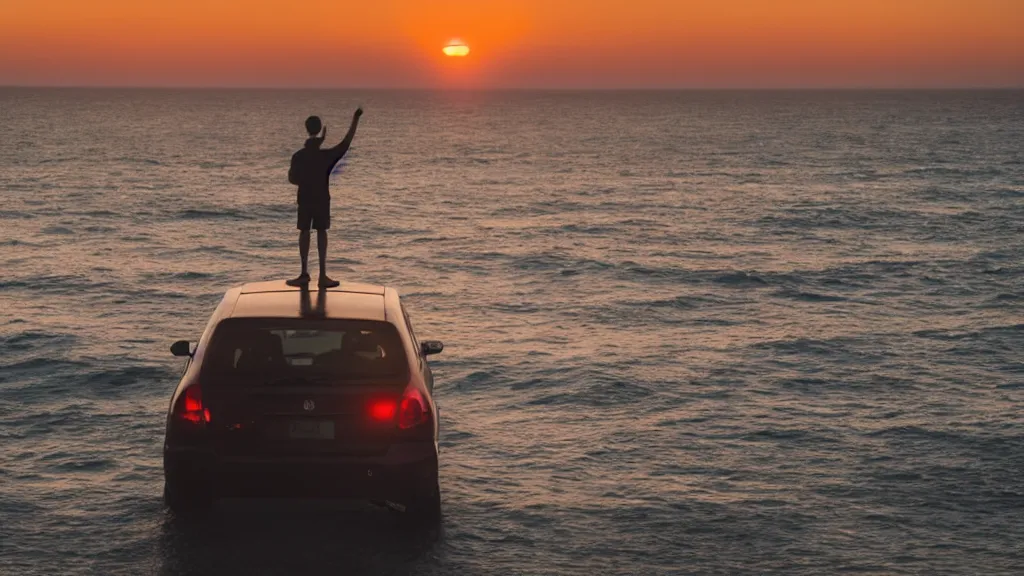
<point x="431" y="347"/>
<point x="181" y="348"/>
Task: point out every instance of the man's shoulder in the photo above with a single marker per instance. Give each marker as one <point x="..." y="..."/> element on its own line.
<point x="306" y="152"/>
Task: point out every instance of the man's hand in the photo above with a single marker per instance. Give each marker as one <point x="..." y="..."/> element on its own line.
<point x="359" y="112"/>
<point x="323" y="133"/>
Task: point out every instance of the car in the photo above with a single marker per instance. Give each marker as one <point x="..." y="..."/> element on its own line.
<point x="297" y="393"/>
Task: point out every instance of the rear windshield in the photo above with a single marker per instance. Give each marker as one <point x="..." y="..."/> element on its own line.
<point x="282" y="352"/>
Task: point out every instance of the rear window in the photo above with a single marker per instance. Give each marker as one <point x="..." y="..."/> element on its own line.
<point x="283" y="352"/>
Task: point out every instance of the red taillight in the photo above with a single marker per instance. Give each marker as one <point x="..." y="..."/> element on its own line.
<point x="382" y="410"/>
<point x="413" y="409"/>
<point x="190" y="406"/>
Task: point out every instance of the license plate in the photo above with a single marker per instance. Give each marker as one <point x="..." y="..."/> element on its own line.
<point x="311" y="429"/>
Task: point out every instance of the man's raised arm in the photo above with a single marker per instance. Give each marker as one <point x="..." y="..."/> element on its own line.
<point x="338" y="151"/>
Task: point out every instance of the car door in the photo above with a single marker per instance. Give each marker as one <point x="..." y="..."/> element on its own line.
<point x="424" y="366"/>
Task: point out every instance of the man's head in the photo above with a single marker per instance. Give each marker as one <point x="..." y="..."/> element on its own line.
<point x="313" y="125"/>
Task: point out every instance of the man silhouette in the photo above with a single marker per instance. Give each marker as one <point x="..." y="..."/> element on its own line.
<point x="311" y="170"/>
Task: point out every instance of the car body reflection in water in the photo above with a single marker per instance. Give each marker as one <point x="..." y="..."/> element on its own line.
<point x="287" y="536"/>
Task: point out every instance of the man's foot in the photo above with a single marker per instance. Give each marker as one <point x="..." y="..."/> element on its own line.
<point x="326" y="282"/>
<point x="300" y="280"/>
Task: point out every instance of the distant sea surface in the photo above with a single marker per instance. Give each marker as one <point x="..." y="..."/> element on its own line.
<point x="685" y="332"/>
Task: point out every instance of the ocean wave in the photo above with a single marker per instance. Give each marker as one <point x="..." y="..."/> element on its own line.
<point x="138" y="160"/>
<point x="79" y="464"/>
<point x="41" y="366"/>
<point x="221" y="214"/>
<point x="740" y="279"/>
<point x="606" y="394"/>
<point x="189" y="276"/>
<point x="929" y="171"/>
<point x="689" y="302"/>
<point x="1013" y="330"/>
<point x="791" y="436"/>
<point x="16" y="242"/>
<point x="56" y="284"/>
<point x="121" y="380"/>
<point x="808" y="296"/>
<point x="595" y="229"/>
<point x="837" y="347"/>
<point x="14" y="214"/>
<point x="31" y="339"/>
<point x="213" y="249"/>
<point x="430" y="239"/>
<point x="57" y="231"/>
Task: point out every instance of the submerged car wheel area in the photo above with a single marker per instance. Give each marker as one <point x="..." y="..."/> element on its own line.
<point x="291" y="393"/>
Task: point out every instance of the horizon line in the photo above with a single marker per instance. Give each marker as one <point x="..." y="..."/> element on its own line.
<point x="866" y="88"/>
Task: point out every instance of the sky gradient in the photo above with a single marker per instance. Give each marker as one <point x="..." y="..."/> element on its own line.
<point x="524" y="43"/>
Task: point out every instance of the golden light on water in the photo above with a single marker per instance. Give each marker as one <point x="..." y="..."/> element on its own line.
<point x="455" y="48"/>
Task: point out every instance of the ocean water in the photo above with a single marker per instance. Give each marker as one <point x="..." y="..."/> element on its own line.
<point x="686" y="332"/>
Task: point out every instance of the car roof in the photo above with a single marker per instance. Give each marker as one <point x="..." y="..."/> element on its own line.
<point x="281" y="286"/>
<point x="275" y="299"/>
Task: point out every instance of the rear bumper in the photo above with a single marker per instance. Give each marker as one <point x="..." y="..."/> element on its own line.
<point x="405" y="470"/>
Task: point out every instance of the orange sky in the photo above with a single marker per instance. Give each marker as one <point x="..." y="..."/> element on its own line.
<point x="523" y="43"/>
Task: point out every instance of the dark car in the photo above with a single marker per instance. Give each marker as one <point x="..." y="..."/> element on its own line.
<point x="308" y="394"/>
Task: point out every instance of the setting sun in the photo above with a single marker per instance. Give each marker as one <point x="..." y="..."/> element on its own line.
<point x="455" y="48"/>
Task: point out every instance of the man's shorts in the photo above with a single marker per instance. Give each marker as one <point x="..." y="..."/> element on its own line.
<point x="315" y="215"/>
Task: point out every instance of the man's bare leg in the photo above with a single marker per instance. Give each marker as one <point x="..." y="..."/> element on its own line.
<point x="303" y="278"/>
<point x="321" y="249"/>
